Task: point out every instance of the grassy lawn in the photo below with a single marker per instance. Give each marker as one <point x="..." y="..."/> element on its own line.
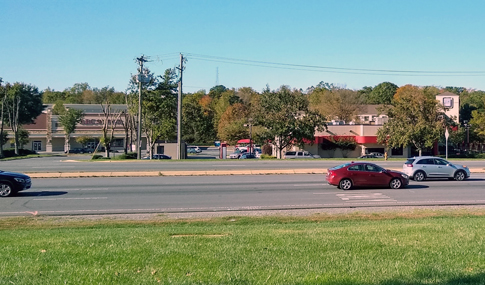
<point x="412" y="248"/>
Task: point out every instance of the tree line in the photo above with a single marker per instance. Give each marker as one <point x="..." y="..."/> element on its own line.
<point x="282" y="117"/>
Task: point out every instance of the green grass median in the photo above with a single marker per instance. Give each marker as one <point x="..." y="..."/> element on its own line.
<point x="395" y="248"/>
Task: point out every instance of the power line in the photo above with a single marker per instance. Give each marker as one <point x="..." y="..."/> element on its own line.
<point x="333" y="69"/>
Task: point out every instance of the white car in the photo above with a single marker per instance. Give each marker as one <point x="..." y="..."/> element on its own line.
<point x="420" y="168"/>
<point x="196" y="148"/>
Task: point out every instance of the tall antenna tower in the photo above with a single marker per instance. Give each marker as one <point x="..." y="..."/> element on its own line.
<point x="217" y="76"/>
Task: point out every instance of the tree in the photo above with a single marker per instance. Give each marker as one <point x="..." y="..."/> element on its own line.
<point x="3" y="134"/>
<point x="23" y="105"/>
<point x="345" y="144"/>
<point x="197" y="118"/>
<point x="342" y="104"/>
<point x="110" y="120"/>
<point x="216" y="91"/>
<point x="383" y="93"/>
<point x="478" y="123"/>
<point x="83" y="140"/>
<point x="414" y="119"/>
<point x="159" y="117"/>
<point x="231" y="125"/>
<point x="23" y="137"/>
<point x="69" y="118"/>
<point x="52" y="96"/>
<point x="220" y="105"/>
<point x="74" y="95"/>
<point x="287" y="119"/>
<point x="365" y="94"/>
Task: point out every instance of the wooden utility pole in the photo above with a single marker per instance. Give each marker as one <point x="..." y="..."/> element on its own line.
<point x="140" y="79"/>
<point x="179" y="109"/>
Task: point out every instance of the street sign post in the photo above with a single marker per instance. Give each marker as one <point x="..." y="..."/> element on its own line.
<point x="447" y="134"/>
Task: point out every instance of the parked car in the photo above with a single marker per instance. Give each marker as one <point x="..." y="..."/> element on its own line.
<point x="377" y="154"/>
<point x="420" y="168"/>
<point x="13" y="182"/>
<point x="247" y="156"/>
<point x="365" y="174"/>
<point x="196" y="148"/>
<point x="299" y="154"/>
<point x="367" y="156"/>
<point x="79" y="150"/>
<point x="191" y="150"/>
<point x="258" y="152"/>
<point x="158" y="156"/>
<point x="236" y="154"/>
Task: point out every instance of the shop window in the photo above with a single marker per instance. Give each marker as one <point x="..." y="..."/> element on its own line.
<point x="397" y="151"/>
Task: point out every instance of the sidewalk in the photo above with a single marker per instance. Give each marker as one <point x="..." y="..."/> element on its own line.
<point x="189" y="173"/>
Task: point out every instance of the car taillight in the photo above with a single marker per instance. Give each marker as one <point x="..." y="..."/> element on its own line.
<point x="409" y="165"/>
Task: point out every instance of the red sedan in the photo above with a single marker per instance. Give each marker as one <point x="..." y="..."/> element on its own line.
<point x="364" y="174"/>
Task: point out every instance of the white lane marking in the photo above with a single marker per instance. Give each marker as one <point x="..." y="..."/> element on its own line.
<point x="363" y="197"/>
<point x="52" y="166"/>
<point x="53" y="199"/>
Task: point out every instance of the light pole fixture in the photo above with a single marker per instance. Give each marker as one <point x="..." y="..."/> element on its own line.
<point x="467" y="127"/>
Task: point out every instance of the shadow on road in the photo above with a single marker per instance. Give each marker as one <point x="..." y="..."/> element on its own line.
<point x="416" y="186"/>
<point x="41" y="193"/>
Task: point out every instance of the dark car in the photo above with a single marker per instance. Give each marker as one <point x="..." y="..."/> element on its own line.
<point x="158" y="156"/>
<point x="79" y="150"/>
<point x="12" y="182"/>
<point x="364" y="174"/>
<point x="368" y="156"/>
<point x="246" y="155"/>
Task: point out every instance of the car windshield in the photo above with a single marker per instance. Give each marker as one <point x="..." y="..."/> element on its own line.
<point x="340" y="166"/>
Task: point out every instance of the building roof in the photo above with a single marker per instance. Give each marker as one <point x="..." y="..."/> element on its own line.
<point x="447" y="93"/>
<point x="92" y="108"/>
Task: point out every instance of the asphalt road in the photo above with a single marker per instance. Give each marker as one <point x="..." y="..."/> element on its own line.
<point x="125" y="195"/>
<point x="81" y="163"/>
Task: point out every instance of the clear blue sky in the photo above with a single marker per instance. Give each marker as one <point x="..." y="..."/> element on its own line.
<point x="59" y="43"/>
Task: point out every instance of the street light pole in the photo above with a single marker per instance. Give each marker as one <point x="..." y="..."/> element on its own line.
<point x="467" y="127"/>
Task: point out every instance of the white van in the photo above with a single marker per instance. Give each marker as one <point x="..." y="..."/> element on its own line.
<point x="299" y="154"/>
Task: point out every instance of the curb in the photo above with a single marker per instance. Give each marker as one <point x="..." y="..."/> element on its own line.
<point x="187" y="173"/>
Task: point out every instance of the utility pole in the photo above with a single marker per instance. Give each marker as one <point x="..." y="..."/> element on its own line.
<point x="141" y="78"/>
<point x="179" y="109"/>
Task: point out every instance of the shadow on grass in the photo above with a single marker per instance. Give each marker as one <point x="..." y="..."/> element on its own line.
<point x="422" y="278"/>
<point x="41" y="193"/>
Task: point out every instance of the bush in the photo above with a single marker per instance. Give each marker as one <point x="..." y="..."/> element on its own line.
<point x="97" y="156"/>
<point x="267" y="156"/>
<point x="10" y="152"/>
<point x="130" y="155"/>
<point x="480" y="155"/>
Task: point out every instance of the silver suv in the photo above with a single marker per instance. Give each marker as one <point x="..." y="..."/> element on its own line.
<point x="420" y="168"/>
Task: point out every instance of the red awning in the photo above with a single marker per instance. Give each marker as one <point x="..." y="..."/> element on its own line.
<point x="243" y="141"/>
<point x="358" y="139"/>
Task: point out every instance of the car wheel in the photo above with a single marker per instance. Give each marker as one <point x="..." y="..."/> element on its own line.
<point x="6" y="189"/>
<point x="345" y="184"/>
<point x="460" y="176"/>
<point x="419" y="176"/>
<point x="395" y="183"/>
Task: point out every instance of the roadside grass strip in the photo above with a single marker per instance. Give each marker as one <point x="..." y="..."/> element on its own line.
<point x="409" y="248"/>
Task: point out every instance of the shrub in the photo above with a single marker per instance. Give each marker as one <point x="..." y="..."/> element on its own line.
<point x="97" y="156"/>
<point x="267" y="156"/>
<point x="130" y="155"/>
<point x="10" y="152"/>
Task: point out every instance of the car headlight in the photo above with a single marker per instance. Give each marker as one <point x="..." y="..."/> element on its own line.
<point x="20" y="180"/>
<point x="404" y="176"/>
